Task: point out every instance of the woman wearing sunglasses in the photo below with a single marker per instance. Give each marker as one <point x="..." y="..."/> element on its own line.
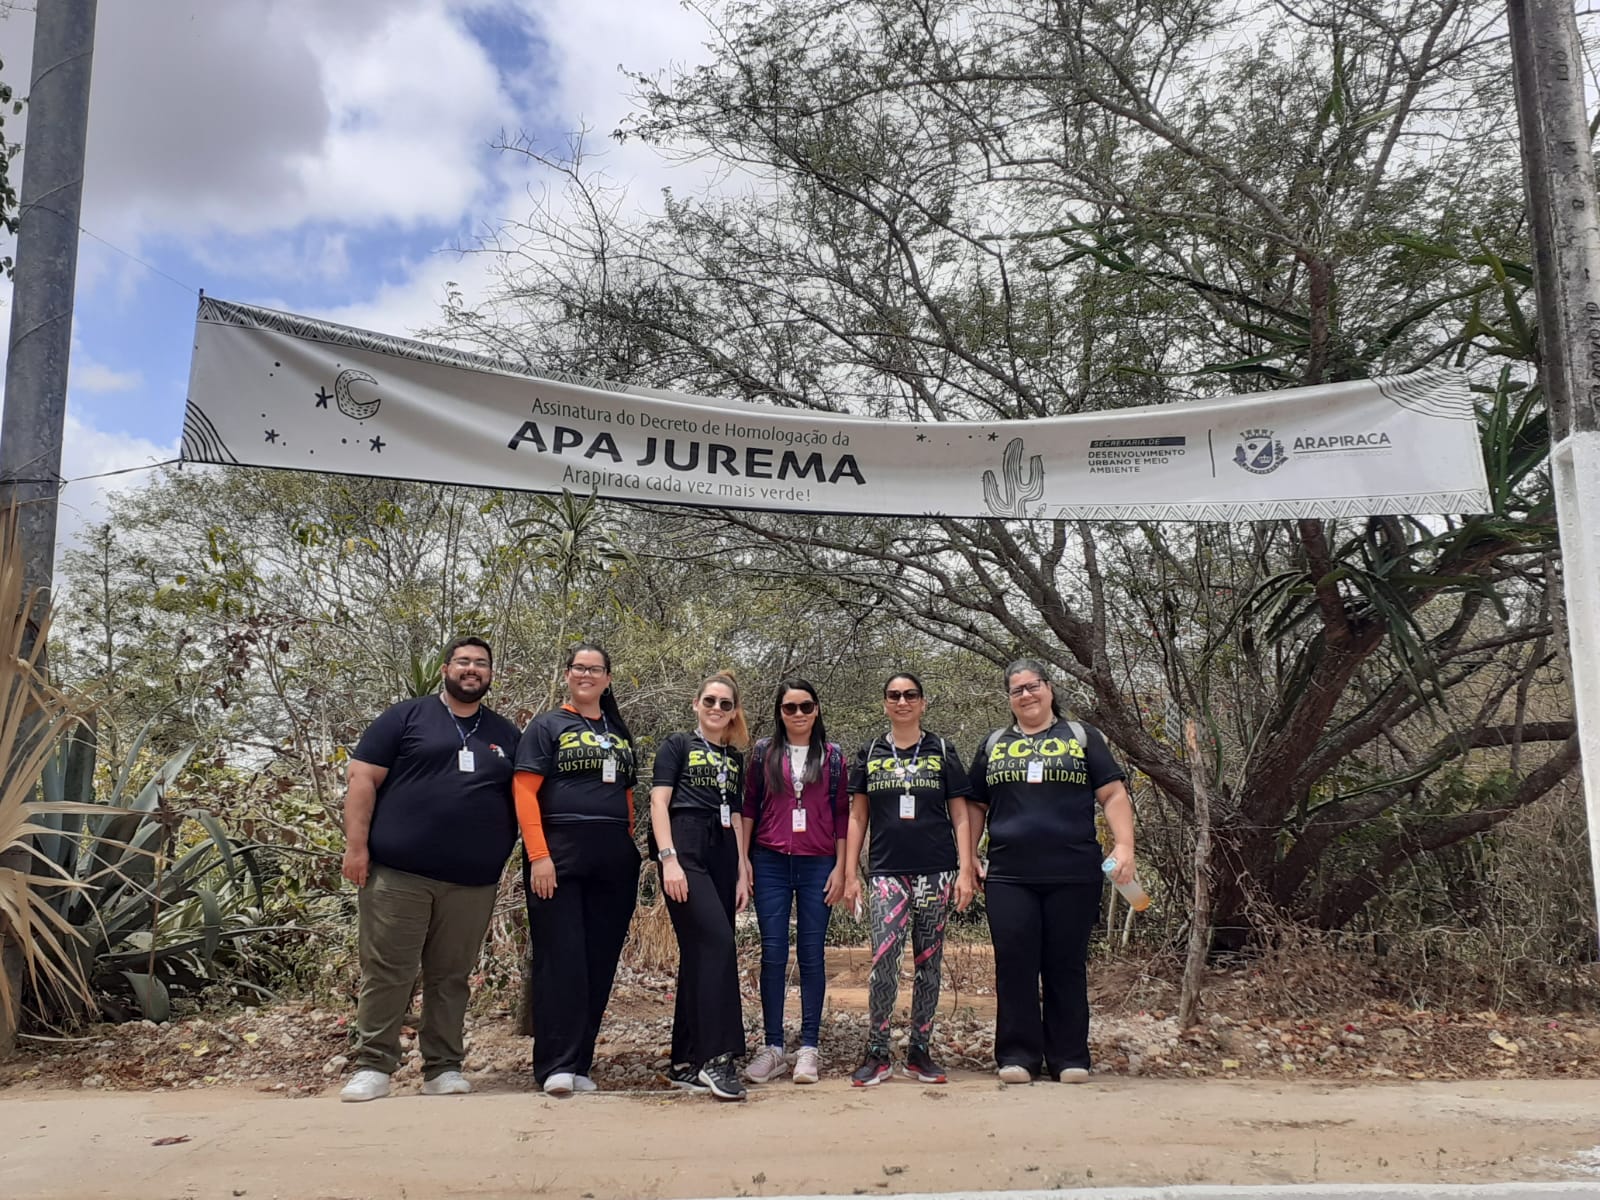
<point x="796" y="817"/>
<point x="574" y="792"/>
<point x="910" y="791"/>
<point x="699" y="842"/>
<point x="1038" y="781"/>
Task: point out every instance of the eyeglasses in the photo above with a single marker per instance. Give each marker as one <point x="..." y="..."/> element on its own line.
<point x="722" y="702"/>
<point x="481" y="663"/>
<point x="580" y="669"/>
<point x="910" y="694"/>
<point x="803" y="709"/>
<point x="1025" y="689"/>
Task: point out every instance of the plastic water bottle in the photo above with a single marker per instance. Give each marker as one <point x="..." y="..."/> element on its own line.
<point x="1138" y="899"/>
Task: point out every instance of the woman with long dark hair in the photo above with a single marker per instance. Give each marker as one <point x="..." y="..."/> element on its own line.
<point x="796" y="818"/>
<point x="699" y="842"/>
<point x="1038" y="781"/>
<point x="910" y="790"/>
<point x="574" y="794"/>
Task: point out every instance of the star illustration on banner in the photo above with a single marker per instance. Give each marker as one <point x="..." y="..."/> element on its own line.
<point x="922" y="437"/>
<point x="378" y="444"/>
<point x="272" y="436"/>
<point x="323" y="395"/>
<point x="994" y="437"/>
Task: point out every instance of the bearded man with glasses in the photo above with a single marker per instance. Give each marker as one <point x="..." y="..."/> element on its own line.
<point x="429" y="823"/>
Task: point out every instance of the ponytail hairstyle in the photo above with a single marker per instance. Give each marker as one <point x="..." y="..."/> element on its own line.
<point x="738" y="727"/>
<point x="780" y="737"/>
<point x="608" y="702"/>
<point x="1043" y="672"/>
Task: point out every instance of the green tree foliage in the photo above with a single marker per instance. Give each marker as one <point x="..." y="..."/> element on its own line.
<point x="935" y="209"/>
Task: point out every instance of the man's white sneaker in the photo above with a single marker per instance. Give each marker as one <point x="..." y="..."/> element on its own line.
<point x="1074" y="1075"/>
<point x="365" y="1084"/>
<point x="559" y="1084"/>
<point x="1014" y="1073"/>
<point x="805" y="1065"/>
<point x="446" y="1083"/>
<point x="582" y="1083"/>
<point x="768" y="1064"/>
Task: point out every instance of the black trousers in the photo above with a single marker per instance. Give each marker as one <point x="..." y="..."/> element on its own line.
<point x="1041" y="948"/>
<point x="708" y="1018"/>
<point x="575" y="939"/>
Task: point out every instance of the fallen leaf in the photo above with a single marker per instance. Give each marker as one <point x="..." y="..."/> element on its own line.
<point x="1505" y="1043"/>
<point x="171" y="1141"/>
<point x="1230" y="1064"/>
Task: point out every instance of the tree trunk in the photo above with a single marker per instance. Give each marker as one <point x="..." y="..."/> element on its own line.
<point x="1194" y="967"/>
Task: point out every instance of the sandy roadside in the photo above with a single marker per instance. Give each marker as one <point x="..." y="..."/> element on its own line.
<point x="900" y="1137"/>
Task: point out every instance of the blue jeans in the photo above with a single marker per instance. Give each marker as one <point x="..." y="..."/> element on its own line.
<point x="782" y="882"/>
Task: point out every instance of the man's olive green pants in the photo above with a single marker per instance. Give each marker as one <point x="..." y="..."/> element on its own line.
<point x="409" y="922"/>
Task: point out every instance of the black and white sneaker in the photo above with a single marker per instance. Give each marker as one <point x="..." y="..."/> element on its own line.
<point x="685" y="1077"/>
<point x="721" y="1077"/>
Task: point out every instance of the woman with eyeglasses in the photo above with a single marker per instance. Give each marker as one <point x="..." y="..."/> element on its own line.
<point x="796" y="818"/>
<point x="574" y="793"/>
<point x="910" y="791"/>
<point x="699" y="842"/>
<point x="1038" y="782"/>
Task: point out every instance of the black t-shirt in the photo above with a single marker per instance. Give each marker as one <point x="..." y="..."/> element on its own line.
<point x="924" y="843"/>
<point x="570" y="751"/>
<point x="689" y="765"/>
<point x="1043" y="832"/>
<point x="432" y="818"/>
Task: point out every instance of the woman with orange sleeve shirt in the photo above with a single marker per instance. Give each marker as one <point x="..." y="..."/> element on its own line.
<point x="574" y="793"/>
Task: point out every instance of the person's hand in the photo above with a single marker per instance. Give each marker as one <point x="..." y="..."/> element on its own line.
<point x="1124" y="871"/>
<point x="355" y="865"/>
<point x="833" y="890"/>
<point x="982" y="866"/>
<point x="741" y="893"/>
<point x="673" y="881"/>
<point x="852" y="894"/>
<point x="966" y="888"/>
<point x="544" y="877"/>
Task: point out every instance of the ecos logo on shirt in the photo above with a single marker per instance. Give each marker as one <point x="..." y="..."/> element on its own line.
<point x="929" y="762"/>
<point x="1049" y="748"/>
<point x="572" y="739"/>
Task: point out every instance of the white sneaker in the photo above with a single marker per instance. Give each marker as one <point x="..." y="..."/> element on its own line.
<point x="446" y="1083"/>
<point x="1014" y="1073"/>
<point x="365" y="1084"/>
<point x="767" y="1065"/>
<point x="1074" y="1075"/>
<point x="805" y="1065"/>
<point x="559" y="1084"/>
<point x="582" y="1083"/>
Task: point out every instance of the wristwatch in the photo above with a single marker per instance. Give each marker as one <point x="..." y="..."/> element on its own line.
<point x="667" y="852"/>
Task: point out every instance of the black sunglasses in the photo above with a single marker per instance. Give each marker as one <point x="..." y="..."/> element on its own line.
<point x="909" y="694"/>
<point x="721" y="702"/>
<point x="804" y="709"/>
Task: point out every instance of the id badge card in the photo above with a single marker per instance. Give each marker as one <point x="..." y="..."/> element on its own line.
<point x="1036" y="771"/>
<point x="608" y="770"/>
<point x="725" y="815"/>
<point x="908" y="806"/>
<point x="465" y="760"/>
<point x="799" y="820"/>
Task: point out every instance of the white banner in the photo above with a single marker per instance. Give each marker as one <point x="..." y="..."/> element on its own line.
<point x="269" y="389"/>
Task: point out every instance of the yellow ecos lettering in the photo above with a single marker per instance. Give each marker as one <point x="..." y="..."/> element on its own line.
<point x="577" y="739"/>
<point x="930" y="762"/>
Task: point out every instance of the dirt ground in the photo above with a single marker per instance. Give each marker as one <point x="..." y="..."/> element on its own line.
<point x="1300" y="1078"/>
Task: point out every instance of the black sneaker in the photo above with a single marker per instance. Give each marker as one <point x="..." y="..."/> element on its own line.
<point x="686" y="1078"/>
<point x="920" y="1066"/>
<point x="721" y="1078"/>
<point x="874" y="1069"/>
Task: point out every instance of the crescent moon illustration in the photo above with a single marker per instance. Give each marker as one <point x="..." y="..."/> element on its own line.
<point x="356" y="410"/>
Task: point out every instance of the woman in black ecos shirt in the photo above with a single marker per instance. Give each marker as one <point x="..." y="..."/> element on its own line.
<point x="910" y="789"/>
<point x="1038" y="781"/>
<point x="697" y="837"/>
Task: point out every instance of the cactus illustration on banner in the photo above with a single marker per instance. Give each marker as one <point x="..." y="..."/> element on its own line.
<point x="1020" y="491"/>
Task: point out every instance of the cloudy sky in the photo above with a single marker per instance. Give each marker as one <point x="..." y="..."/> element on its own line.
<point x="314" y="156"/>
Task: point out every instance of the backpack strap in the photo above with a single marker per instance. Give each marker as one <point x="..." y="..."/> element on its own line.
<point x="1078" y="732"/>
<point x="758" y="769"/>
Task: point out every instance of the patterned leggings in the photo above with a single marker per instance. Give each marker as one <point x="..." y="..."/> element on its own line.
<point x="900" y="903"/>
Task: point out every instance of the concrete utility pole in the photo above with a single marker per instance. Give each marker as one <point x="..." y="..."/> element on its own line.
<point x="1559" y="173"/>
<point x="41" y="317"/>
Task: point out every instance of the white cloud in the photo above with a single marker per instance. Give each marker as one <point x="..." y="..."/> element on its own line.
<point x="86" y="375"/>
<point x="89" y="451"/>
